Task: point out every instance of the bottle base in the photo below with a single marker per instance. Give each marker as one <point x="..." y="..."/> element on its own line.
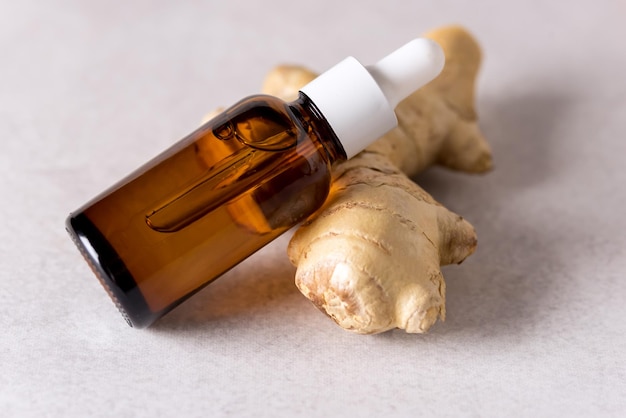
<point x="110" y="271"/>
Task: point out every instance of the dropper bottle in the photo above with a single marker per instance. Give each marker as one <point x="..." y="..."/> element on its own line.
<point x="238" y="182"/>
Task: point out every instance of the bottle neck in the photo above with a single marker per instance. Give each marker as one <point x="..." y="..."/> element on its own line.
<point x="317" y="125"/>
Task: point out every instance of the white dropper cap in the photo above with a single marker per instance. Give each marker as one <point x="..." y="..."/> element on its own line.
<point x="358" y="101"/>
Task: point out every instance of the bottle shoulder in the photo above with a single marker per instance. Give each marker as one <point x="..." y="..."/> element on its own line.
<point x="269" y="123"/>
<point x="261" y="122"/>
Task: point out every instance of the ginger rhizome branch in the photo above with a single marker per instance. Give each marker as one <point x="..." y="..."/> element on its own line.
<point x="371" y="257"/>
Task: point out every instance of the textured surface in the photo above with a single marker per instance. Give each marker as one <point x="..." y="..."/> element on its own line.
<point x="535" y="319"/>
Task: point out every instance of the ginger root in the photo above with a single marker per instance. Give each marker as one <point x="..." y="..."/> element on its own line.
<point x="371" y="257"/>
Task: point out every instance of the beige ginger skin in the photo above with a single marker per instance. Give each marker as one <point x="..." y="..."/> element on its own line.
<point x="370" y="257"/>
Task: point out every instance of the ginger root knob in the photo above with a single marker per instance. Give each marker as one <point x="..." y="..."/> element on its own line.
<point x="371" y="258"/>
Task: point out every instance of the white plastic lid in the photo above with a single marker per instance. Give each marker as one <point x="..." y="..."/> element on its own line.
<point x="358" y="101"/>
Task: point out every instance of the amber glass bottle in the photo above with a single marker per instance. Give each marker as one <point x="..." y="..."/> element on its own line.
<point x="238" y="182"/>
<point x="204" y="205"/>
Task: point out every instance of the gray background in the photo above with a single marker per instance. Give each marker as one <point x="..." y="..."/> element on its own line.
<point x="89" y="90"/>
